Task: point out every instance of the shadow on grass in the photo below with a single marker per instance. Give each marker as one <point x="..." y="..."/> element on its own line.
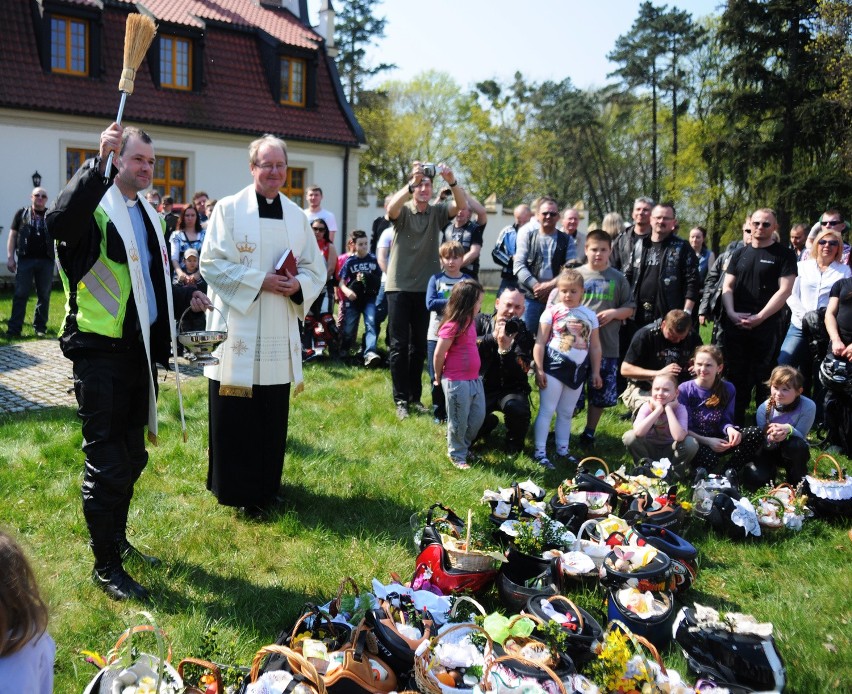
<point x="45" y="415"/>
<point x="234" y="599"/>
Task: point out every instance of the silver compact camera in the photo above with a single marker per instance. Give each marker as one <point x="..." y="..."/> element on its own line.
<point x="429" y="169"/>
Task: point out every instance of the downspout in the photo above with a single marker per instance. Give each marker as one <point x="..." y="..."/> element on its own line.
<point x="345" y="199"/>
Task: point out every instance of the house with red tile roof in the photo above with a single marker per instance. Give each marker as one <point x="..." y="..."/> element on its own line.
<point x="218" y="74"/>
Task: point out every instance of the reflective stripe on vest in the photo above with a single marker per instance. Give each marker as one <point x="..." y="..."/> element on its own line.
<point x="103" y="286"/>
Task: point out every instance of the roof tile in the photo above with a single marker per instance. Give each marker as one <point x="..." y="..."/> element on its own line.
<point x="235" y="96"/>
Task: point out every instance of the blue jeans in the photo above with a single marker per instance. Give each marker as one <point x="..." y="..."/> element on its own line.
<point x="465" y="414"/>
<point x="29" y="269"/>
<point x="794" y="351"/>
<point x="350" y="326"/>
<point x="532" y="313"/>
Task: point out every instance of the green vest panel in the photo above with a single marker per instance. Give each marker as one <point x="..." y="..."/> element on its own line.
<point x="102" y="294"/>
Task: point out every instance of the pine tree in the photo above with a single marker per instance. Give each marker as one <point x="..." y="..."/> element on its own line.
<point x="356" y="28"/>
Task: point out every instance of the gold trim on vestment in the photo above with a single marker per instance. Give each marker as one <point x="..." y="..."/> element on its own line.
<point x="235" y="391"/>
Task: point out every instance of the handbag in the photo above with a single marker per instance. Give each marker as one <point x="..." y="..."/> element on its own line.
<point x="357" y="670"/>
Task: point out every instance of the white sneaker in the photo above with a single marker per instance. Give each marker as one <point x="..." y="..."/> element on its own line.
<point x="372" y="360"/>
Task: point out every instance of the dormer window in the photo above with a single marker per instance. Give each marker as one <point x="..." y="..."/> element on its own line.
<point x="69" y="45"/>
<point x="293" y="71"/>
<point x="175" y="62"/>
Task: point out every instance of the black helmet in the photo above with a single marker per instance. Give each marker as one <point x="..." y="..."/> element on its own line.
<point x="835" y="374"/>
<point x="740" y="661"/>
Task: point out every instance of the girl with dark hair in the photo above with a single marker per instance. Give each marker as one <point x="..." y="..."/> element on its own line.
<point x="26" y="649"/>
<point x="456" y="363"/>
<point x="188" y="234"/>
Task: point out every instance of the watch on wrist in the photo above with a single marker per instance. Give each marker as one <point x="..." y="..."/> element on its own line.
<point x="453" y="184"/>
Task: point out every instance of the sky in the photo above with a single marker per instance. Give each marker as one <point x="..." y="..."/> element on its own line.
<point x="475" y="40"/>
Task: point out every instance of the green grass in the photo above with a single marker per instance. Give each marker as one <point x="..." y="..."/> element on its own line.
<point x="353" y="476"/>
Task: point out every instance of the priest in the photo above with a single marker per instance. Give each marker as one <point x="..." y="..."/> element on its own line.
<point x="249" y="389"/>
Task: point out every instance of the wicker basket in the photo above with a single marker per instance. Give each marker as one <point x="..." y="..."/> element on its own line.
<point x="486" y="684"/>
<point x="425" y="660"/>
<point x="297" y="663"/>
<point x="469" y="561"/>
<point x="828" y="497"/>
<point x="766" y="521"/>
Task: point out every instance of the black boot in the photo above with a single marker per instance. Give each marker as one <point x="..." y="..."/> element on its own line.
<point x="108" y="573"/>
<point x="117" y="583"/>
<point x="125" y="550"/>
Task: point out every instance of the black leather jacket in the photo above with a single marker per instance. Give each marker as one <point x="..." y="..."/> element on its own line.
<point x="502" y="374"/>
<point x="679" y="278"/>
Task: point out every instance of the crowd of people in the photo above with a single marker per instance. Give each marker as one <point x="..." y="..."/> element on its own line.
<point x="615" y="312"/>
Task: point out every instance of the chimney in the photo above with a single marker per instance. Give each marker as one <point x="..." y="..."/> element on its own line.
<point x="326" y="27"/>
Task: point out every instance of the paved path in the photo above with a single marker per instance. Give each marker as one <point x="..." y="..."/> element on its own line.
<point x="35" y="375"/>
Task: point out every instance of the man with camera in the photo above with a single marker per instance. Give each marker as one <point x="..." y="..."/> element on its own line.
<point x="417" y="223"/>
<point x="505" y="351"/>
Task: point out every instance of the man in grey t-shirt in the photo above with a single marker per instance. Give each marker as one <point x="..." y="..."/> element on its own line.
<point x="418" y="225"/>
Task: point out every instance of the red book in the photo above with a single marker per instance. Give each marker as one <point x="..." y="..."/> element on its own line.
<point x="287" y="263"/>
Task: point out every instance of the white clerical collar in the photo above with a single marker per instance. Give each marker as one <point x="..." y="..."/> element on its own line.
<point x="128" y="201"/>
<point x="269" y="201"/>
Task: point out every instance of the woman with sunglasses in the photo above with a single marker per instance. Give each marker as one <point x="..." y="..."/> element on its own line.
<point x="325" y="301"/>
<point x="816" y="277"/>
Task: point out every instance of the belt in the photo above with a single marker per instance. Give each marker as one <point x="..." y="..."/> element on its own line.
<point x="648" y="306"/>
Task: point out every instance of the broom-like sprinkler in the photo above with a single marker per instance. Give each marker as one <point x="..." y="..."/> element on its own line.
<point x="138" y="34"/>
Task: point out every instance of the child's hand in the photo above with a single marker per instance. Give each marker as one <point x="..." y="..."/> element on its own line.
<point x="597" y="381"/>
<point x="540" y="379"/>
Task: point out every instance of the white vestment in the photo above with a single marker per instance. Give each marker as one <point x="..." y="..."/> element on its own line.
<point x="114" y="205"/>
<point x="263" y="345"/>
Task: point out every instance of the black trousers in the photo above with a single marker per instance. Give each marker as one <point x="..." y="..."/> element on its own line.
<point x="750" y="356"/>
<point x="516" y="415"/>
<point x="408" y="324"/>
<point x="112" y="398"/>
<point x="247" y="439"/>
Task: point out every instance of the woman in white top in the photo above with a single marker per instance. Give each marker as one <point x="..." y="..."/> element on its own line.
<point x="816" y="276"/>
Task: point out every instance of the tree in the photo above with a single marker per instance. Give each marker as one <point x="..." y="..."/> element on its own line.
<point x="650" y="55"/>
<point x="640" y="52"/>
<point x="404" y="121"/>
<point x="782" y="140"/>
<point x="355" y="29"/>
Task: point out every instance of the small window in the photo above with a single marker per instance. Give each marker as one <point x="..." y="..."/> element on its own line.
<point x="175" y="62"/>
<point x="74" y="158"/>
<point x="293" y="81"/>
<point x="69" y="42"/>
<point x="294" y="187"/>
<point x="170" y="177"/>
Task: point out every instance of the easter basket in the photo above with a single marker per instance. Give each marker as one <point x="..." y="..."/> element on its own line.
<point x="829" y="496"/>
<point x="292" y="672"/>
<point x="442" y="663"/>
<point x="123" y="670"/>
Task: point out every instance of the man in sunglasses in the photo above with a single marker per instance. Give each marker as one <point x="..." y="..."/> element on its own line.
<point x="757" y="282"/>
<point x="830" y="219"/>
<point x="30" y="242"/>
<point x="539" y="256"/>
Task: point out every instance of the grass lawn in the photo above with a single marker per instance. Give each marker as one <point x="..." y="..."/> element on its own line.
<point x="353" y="477"/>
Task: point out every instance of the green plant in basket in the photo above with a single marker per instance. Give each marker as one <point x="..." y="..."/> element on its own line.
<point x="212" y="650"/>
<point x="552" y="633"/>
<point x="538" y="534"/>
